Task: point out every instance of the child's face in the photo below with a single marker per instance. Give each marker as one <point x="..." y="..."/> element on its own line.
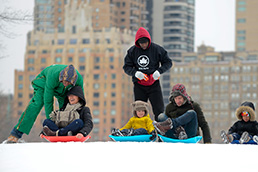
<point x="246" y="118"/>
<point x="73" y="99"/>
<point x="140" y="113"/>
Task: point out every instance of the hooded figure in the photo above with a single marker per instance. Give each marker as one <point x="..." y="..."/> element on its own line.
<point x="83" y="126"/>
<point x="241" y="126"/>
<point x="136" y="122"/>
<point x="246" y="106"/>
<point x="145" y="62"/>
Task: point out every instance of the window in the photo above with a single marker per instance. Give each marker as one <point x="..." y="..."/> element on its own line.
<point x="96" y="95"/>
<point x="30" y="61"/>
<point x="73" y="41"/>
<point x="60" y="41"/>
<point x="43" y="60"/>
<point x="59" y="50"/>
<point x="74" y="29"/>
<point x="58" y="59"/>
<point x="70" y="59"/>
<point x="85" y="41"/>
<point x="81" y="59"/>
<point x="20" y="86"/>
<point x="82" y="67"/>
<point x="96" y="76"/>
<point x="96" y="120"/>
<point x="242" y="20"/>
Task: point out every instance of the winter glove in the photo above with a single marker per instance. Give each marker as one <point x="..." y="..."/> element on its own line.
<point x="156" y="75"/>
<point x="141" y="76"/>
<point x="153" y="135"/>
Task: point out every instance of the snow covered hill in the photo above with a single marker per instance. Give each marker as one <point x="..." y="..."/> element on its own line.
<point x="126" y="156"/>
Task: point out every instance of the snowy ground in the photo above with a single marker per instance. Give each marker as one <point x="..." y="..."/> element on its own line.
<point x="126" y="156"/>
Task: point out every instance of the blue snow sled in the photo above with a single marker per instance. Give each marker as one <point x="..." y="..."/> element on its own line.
<point x="146" y="138"/>
<point x="251" y="142"/>
<point x="138" y="138"/>
<point x="195" y="139"/>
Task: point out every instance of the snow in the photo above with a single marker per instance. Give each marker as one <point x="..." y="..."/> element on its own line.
<point x="126" y="156"/>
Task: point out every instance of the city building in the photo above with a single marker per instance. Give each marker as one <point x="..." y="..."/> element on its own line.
<point x="98" y="56"/>
<point x="246" y="33"/>
<point x="124" y="14"/>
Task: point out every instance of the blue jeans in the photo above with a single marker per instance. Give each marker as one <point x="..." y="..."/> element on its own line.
<point x="139" y="131"/>
<point x="188" y="120"/>
<point x="75" y="127"/>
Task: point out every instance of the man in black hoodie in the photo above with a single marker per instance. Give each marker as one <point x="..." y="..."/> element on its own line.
<point x="145" y="62"/>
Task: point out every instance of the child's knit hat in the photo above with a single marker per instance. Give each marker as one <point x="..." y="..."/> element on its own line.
<point x="68" y="74"/>
<point x="140" y="105"/>
<point x="246" y="106"/>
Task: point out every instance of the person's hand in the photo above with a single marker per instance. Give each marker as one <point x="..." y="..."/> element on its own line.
<point x="79" y="135"/>
<point x="141" y="76"/>
<point x="156" y="75"/>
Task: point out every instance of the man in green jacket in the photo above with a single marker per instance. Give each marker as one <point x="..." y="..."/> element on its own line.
<point x="182" y="117"/>
<point x="53" y="81"/>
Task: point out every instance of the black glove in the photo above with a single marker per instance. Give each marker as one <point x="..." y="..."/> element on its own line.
<point x="153" y="135"/>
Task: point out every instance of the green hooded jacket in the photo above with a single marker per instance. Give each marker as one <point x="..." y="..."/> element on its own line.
<point x="48" y="80"/>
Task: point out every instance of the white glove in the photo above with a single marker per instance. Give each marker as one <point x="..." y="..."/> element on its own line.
<point x="156" y="75"/>
<point x="141" y="76"/>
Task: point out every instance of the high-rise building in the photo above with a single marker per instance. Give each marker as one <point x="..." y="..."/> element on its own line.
<point x="96" y="54"/>
<point x="246" y="33"/>
<point x="172" y="26"/>
<point x="124" y="14"/>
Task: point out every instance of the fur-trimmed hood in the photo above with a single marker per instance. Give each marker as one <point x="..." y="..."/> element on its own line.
<point x="140" y="105"/>
<point x="246" y="106"/>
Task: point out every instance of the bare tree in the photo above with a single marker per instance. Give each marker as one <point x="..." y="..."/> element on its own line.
<point x="10" y="18"/>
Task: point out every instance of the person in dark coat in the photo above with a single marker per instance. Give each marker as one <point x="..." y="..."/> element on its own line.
<point x="245" y="128"/>
<point x="145" y="62"/>
<point x="81" y="127"/>
<point x="185" y="114"/>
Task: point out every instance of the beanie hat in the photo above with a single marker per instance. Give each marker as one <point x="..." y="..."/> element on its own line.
<point x="68" y="74"/>
<point x="179" y="90"/>
<point x="246" y="106"/>
<point x="140" y="105"/>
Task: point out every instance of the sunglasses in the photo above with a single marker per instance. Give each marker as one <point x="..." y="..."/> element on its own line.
<point x="245" y="113"/>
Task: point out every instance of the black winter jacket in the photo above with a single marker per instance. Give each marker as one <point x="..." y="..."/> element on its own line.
<point x="85" y="114"/>
<point x="241" y="126"/>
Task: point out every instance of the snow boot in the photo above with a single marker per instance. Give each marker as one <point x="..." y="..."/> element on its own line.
<point x="116" y="132"/>
<point x="244" y="138"/>
<point x="180" y="133"/>
<point x="163" y="127"/>
<point x="226" y="138"/>
<point x="13" y="139"/>
<point x="48" y="132"/>
<point x="255" y="139"/>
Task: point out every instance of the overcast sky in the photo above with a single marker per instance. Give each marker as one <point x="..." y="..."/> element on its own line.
<point x="214" y="26"/>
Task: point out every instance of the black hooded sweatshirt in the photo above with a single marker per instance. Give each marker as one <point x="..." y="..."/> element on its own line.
<point x="147" y="61"/>
<point x="84" y="111"/>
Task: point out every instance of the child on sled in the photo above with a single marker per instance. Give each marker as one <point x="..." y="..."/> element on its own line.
<point x="246" y="128"/>
<point x="139" y="124"/>
<point x="74" y="118"/>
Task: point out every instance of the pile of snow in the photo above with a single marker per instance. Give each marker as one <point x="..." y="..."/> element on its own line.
<point x="126" y="156"/>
